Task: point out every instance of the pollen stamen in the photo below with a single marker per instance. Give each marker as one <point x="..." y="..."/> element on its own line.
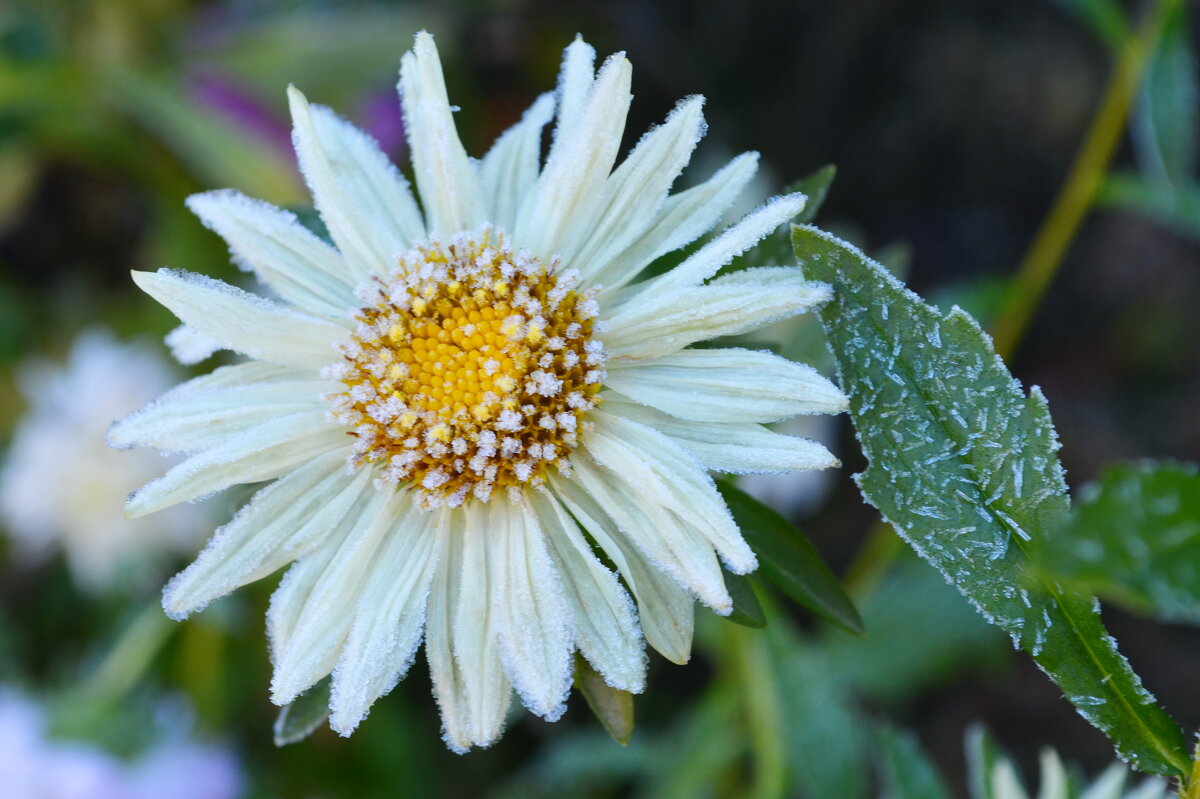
<point x="467" y="344"/>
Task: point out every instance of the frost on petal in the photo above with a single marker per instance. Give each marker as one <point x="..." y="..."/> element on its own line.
<point x="603" y="616"/>
<point x="474" y="634"/>
<point x="241" y="321"/>
<point x="727" y="385"/>
<point x="665" y="608"/>
<point x="271" y="242"/>
<point x="653" y="323"/>
<point x="281" y="523"/>
<point x="308" y="648"/>
<point x="389" y="619"/>
<point x="509" y="172"/>
<point x="263" y="453"/>
<point x="681" y="219"/>
<point x="447" y="179"/>
<point x="530" y="609"/>
<point x="734" y="447"/>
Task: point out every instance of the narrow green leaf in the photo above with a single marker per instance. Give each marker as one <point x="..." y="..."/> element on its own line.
<point x="788" y="560"/>
<point x="299" y="719"/>
<point x="1106" y="18"/>
<point x="613" y="707"/>
<point x="1134" y="538"/>
<point x="746" y="609"/>
<point x="1178" y="209"/>
<point x="905" y="770"/>
<point x="816" y="188"/>
<point x="964" y="466"/>
<point x="1165" y="126"/>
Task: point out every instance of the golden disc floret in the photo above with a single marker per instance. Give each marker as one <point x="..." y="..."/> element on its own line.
<point x="471" y="369"/>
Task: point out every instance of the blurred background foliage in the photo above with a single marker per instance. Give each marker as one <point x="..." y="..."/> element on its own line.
<point x="952" y="123"/>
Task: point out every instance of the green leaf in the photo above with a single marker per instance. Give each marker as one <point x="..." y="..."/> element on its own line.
<point x="788" y="560"/>
<point x="1106" y="18"/>
<point x="816" y="188"/>
<point x="613" y="707"/>
<point x="905" y="770"/>
<point x="746" y="609"/>
<point x="1178" y="209"/>
<point x="1134" y="538"/>
<point x="964" y="466"/>
<point x="299" y="719"/>
<point x="1164" y="127"/>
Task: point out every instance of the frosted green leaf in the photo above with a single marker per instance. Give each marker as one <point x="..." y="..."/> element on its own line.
<point x="1134" y="538"/>
<point x="301" y="717"/>
<point x="964" y="466"/>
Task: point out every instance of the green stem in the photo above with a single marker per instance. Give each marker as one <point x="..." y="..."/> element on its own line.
<point x="1083" y="182"/>
<point x="130" y="656"/>
<point x="762" y="709"/>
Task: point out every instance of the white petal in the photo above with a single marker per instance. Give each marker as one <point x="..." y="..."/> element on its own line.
<point x="635" y="191"/>
<point x="262" y="453"/>
<point x="530" y="610"/>
<point x="727" y="385"/>
<point x="653" y="324"/>
<point x="475" y="634"/>
<point x="446" y="178"/>
<point x="243" y="322"/>
<point x="705" y="262"/>
<point x="642" y="456"/>
<point x="377" y="191"/>
<point x="439" y="631"/>
<point x="508" y="173"/>
<point x="665" y="609"/>
<point x="349" y="229"/>
<point x="191" y="420"/>
<point x="388" y="620"/>
<point x="604" y="620"/>
<point x="580" y="160"/>
<point x="311" y="649"/>
<point x="728" y="446"/>
<point x="281" y="523"/>
<point x="676" y="548"/>
<point x="683" y="218"/>
<point x="284" y="254"/>
<point x="190" y="347"/>
<point x="575" y="78"/>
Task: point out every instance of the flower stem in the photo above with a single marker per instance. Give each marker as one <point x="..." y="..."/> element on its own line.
<point x="1078" y="194"/>
<point x="762" y="705"/>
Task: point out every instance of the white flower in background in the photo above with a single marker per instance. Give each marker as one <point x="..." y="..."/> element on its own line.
<point x="34" y="766"/>
<point x="1003" y="782"/>
<point x="60" y="484"/>
<point x="460" y="405"/>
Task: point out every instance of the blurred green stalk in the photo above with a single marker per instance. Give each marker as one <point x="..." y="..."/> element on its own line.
<point x="1078" y="194"/>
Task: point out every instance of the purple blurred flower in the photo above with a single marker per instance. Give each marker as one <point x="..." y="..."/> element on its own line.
<point x="244" y="110"/>
<point x="383" y="120"/>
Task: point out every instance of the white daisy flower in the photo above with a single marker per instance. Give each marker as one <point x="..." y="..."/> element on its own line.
<point x="59" y="483"/>
<point x="462" y="409"/>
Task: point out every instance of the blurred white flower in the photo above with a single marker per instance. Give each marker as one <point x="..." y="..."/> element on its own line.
<point x="795" y="493"/>
<point x="61" y="486"/>
<point x="1003" y="782"/>
<point x="34" y="766"/>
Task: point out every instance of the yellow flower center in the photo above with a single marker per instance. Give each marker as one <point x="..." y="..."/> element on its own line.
<point x="471" y="370"/>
